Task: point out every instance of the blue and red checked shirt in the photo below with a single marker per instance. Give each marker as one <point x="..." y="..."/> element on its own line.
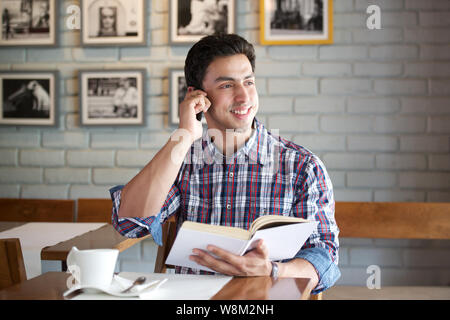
<point x="267" y="176"/>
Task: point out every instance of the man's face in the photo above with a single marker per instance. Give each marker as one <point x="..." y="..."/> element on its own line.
<point x="230" y="85"/>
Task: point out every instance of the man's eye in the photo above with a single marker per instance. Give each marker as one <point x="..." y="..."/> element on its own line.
<point x="226" y="86"/>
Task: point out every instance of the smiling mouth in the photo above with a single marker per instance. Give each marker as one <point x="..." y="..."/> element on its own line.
<point x="241" y="111"/>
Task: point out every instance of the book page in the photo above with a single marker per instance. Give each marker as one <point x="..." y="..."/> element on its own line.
<point x="218" y="229"/>
<point x="188" y="239"/>
<point x="285" y="241"/>
<point x="269" y="221"/>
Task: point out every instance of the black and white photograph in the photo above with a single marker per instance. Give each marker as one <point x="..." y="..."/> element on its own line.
<point x="28" y="22"/>
<point x="190" y="20"/>
<point x="112" y="97"/>
<point x="178" y="90"/>
<point x="293" y="22"/>
<point x="28" y="98"/>
<point x="113" y="22"/>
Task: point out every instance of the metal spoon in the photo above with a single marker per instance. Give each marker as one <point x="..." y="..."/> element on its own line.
<point x="136" y="282"/>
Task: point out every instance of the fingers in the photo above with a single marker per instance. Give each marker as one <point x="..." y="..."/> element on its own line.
<point x="259" y="249"/>
<point x="197" y="99"/>
<point x="215" y="263"/>
<point x="225" y="255"/>
<point x="223" y="261"/>
<point x="262" y="249"/>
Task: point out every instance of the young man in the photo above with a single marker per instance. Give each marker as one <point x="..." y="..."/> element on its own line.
<point x="231" y="173"/>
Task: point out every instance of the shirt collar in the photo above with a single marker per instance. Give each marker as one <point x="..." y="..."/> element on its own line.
<point x="254" y="151"/>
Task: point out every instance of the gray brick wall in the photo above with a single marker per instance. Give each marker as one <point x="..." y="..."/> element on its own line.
<point x="374" y="105"/>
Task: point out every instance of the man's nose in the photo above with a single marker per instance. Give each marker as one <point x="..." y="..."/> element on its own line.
<point x="241" y="94"/>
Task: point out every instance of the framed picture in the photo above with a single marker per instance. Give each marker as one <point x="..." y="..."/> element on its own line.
<point x="190" y="20"/>
<point x="287" y="22"/>
<point x="113" y="22"/>
<point x="112" y="97"/>
<point x="28" y="22"/>
<point x="178" y="90"/>
<point x="28" y="98"/>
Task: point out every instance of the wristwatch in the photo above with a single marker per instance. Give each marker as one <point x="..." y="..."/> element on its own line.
<point x="274" y="272"/>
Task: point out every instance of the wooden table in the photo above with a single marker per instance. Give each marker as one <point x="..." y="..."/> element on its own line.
<point x="105" y="237"/>
<point x="52" y="285"/>
<point x="6" y="225"/>
<point x="34" y="236"/>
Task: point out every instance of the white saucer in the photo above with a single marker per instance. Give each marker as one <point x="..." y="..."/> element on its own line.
<point x="118" y="285"/>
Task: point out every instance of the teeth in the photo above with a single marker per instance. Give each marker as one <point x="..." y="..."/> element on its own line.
<point x="240" y="112"/>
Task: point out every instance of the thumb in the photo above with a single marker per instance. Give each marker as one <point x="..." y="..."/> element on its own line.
<point x="261" y="248"/>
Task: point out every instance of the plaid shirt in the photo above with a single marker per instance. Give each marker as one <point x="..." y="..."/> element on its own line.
<point x="268" y="175"/>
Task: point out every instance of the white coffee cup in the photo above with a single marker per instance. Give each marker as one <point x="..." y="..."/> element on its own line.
<point x="92" y="268"/>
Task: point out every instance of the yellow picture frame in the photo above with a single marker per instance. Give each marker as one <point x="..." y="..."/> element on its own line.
<point x="270" y="35"/>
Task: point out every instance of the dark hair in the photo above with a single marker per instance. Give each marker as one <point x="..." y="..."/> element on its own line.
<point x="207" y="49"/>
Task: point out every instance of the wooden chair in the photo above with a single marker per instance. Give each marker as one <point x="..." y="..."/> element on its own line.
<point x="391" y="220"/>
<point x="37" y="210"/>
<point x="168" y="236"/>
<point x="94" y="210"/>
<point x="12" y="267"/>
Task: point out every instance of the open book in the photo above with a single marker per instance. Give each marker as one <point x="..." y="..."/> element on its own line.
<point x="283" y="236"/>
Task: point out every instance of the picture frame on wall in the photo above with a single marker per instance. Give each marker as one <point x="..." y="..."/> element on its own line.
<point x="112" y="97"/>
<point x="178" y="90"/>
<point x="28" y="22"/>
<point x="296" y="22"/>
<point x="113" y="22"/>
<point x="190" y="20"/>
<point x="28" y="98"/>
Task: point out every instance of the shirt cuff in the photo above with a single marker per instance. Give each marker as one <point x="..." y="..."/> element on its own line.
<point x="134" y="227"/>
<point x="327" y="270"/>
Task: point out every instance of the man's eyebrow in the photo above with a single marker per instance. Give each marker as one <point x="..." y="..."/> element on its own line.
<point x="225" y="78"/>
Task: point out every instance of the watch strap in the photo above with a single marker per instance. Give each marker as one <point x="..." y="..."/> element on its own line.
<point x="274" y="272"/>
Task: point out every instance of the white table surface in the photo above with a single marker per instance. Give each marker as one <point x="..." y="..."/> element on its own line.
<point x="34" y="236"/>
<point x="177" y="287"/>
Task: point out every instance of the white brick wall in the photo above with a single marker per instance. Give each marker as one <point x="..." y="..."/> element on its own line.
<point x="374" y="105"/>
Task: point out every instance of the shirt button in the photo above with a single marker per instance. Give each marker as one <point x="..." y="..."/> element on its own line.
<point x="228" y="206"/>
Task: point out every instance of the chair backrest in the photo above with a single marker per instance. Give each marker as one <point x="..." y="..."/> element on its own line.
<point x="37" y="210"/>
<point x="12" y="267"/>
<point x="168" y="238"/>
<point x="94" y="210"/>
<point x="393" y="220"/>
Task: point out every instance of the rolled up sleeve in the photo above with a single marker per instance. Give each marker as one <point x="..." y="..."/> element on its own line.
<point x="315" y="201"/>
<point x="327" y="271"/>
<point x="134" y="227"/>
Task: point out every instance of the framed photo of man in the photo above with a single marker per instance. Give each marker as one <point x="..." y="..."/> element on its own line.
<point x="190" y="20"/>
<point x="113" y="22"/>
<point x="293" y="22"/>
<point x="178" y="90"/>
<point x="28" y="22"/>
<point x="112" y="97"/>
<point x="28" y="98"/>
